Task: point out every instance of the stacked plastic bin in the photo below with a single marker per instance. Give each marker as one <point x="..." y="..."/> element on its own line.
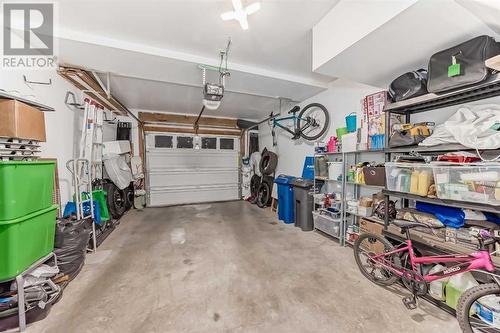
<point x="27" y="215"/>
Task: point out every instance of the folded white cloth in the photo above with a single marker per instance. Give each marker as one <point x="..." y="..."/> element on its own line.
<point x="472" y="126"/>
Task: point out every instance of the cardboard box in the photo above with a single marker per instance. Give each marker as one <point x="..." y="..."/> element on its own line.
<point x="21" y="121"/>
<point x="365" y="202"/>
<point x="366" y="226"/>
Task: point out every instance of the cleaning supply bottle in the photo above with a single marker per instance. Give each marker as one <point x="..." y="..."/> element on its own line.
<point x="414" y="182"/>
<point x="424" y="182"/>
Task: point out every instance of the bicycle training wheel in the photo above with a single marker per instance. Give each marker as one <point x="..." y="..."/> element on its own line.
<point x="313" y="121"/>
<point x="368" y="245"/>
<point x="478" y="309"/>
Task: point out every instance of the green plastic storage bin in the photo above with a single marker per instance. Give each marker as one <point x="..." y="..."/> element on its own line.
<point x="25" y="187"/>
<point x="25" y="240"/>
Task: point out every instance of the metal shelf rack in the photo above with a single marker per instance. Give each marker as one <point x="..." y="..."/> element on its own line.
<point x="343" y="156"/>
<point x="339" y="157"/>
<point x="428" y="102"/>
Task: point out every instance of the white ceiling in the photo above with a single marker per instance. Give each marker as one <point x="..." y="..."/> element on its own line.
<point x="164" y="41"/>
<point x="278" y="38"/>
<point x="407" y="41"/>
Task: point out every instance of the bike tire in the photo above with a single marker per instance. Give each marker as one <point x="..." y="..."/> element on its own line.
<point x="116" y="200"/>
<point x="264" y="195"/>
<point x="268" y="163"/>
<point x="325" y="125"/>
<point x="254" y="185"/>
<point x="387" y="247"/>
<point x="466" y="301"/>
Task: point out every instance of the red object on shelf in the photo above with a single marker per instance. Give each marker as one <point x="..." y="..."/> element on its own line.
<point x="458" y="158"/>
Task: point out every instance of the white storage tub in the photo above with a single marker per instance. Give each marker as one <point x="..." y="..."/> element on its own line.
<point x="414" y="178"/>
<point x="473" y="182"/>
<point x="324" y="222"/>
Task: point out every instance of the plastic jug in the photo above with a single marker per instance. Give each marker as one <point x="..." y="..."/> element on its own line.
<point x="437" y="288"/>
<point x="424" y="182"/>
<point x="457" y="285"/>
<point x="414" y="182"/>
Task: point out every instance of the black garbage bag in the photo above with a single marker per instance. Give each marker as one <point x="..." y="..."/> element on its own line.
<point x="71" y="242"/>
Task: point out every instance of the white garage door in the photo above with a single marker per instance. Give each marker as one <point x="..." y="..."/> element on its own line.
<point x="177" y="173"/>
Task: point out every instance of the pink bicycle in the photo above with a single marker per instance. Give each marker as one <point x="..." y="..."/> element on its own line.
<point x="381" y="263"/>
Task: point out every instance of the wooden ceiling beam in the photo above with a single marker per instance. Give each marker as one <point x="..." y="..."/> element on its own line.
<point x="84" y="81"/>
<point x="188" y="130"/>
<point x="150" y="117"/>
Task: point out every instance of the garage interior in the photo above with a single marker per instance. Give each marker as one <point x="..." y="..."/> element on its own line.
<point x="250" y="166"/>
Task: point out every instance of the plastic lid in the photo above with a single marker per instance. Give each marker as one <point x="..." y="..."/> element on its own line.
<point x="303" y="183"/>
<point x="284" y="179"/>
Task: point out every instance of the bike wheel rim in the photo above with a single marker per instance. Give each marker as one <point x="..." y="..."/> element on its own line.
<point x="318" y="117"/>
<point x="370" y="266"/>
<point x="481" y="318"/>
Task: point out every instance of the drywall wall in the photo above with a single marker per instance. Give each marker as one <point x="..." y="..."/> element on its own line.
<point x="62" y="126"/>
<point x="341" y="98"/>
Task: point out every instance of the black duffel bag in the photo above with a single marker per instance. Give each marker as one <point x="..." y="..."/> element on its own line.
<point x="461" y="65"/>
<point x="408" y="85"/>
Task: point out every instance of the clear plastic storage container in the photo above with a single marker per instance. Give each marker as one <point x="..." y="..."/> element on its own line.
<point x="414" y="178"/>
<point x="474" y="182"/>
<point x="324" y="221"/>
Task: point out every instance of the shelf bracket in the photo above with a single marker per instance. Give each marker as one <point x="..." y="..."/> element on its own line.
<point x="72" y="103"/>
<point x="37" y="82"/>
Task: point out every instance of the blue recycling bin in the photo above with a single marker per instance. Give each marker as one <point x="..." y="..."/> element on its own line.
<point x="285" y="198"/>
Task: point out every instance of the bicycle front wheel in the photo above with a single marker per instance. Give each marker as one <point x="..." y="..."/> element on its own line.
<point x="478" y="309"/>
<point x="369" y="245"/>
<point x="313" y="121"/>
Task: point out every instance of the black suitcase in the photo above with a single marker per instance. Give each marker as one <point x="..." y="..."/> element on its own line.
<point x="408" y="85"/>
<point x="461" y="65"/>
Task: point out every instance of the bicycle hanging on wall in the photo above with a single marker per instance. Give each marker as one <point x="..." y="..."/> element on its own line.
<point x="311" y="123"/>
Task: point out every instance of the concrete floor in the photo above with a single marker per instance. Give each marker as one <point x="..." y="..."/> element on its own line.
<point x="226" y="267"/>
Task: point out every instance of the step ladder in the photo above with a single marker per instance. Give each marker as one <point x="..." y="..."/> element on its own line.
<point x="91" y="141"/>
<point x="88" y="166"/>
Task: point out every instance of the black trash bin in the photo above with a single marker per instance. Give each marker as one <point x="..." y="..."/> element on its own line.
<point x="303" y="202"/>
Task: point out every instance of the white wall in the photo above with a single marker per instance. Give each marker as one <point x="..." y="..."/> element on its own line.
<point x="342" y="98"/>
<point x="62" y="126"/>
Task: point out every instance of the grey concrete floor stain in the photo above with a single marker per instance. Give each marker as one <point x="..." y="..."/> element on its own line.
<point x="228" y="270"/>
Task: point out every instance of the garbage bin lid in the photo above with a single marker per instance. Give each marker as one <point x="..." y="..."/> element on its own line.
<point x="303" y="183"/>
<point x="284" y="179"/>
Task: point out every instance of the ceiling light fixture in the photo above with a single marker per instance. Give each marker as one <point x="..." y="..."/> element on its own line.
<point x="240" y="13"/>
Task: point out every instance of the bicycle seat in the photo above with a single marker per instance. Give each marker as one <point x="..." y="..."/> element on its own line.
<point x="410" y="225"/>
<point x="294" y="110"/>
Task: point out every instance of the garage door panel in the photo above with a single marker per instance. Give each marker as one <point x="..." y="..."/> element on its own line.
<point x="188" y="178"/>
<point x="183" y="176"/>
<point x="195" y="194"/>
<point x="181" y="159"/>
